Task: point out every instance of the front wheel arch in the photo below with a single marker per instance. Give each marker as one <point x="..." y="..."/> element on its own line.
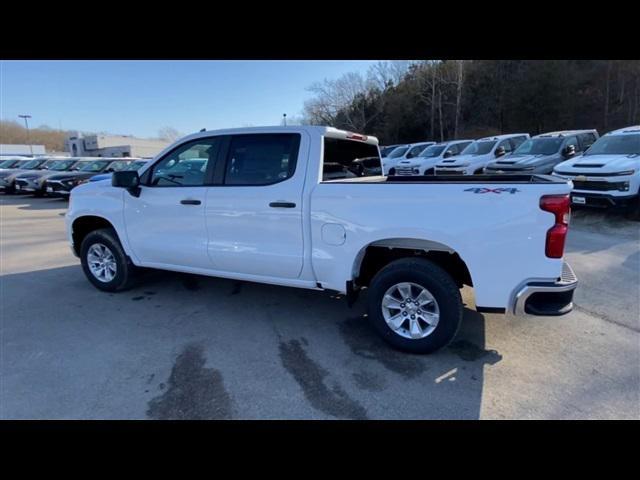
<point x="84" y="225"/>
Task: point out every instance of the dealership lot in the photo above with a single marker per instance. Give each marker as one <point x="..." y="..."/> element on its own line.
<point x="182" y="346"/>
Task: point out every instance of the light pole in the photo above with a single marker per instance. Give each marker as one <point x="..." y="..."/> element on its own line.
<point x="284" y="116"/>
<point x="26" y="124"/>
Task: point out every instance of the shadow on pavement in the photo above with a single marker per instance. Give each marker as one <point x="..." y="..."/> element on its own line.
<point x="185" y="346"/>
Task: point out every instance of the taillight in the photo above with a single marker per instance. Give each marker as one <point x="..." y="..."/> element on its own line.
<point x="356" y="136"/>
<point x="560" y="206"/>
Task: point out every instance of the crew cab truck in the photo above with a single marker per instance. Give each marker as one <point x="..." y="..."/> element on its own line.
<point x="475" y="157"/>
<point x="608" y="173"/>
<point x="541" y="153"/>
<point x="401" y="153"/>
<point x="425" y="162"/>
<point x="256" y="206"/>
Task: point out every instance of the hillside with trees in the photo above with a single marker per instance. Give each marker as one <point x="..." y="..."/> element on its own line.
<point x="440" y="100"/>
<point x="12" y="132"/>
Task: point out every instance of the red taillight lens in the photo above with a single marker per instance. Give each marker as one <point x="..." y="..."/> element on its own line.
<point x="560" y="206"/>
<point x="356" y="136"/>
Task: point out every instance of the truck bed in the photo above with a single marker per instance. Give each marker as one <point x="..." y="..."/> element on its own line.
<point x="442" y="179"/>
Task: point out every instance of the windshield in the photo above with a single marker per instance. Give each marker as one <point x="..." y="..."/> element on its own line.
<point x="94" y="166"/>
<point x="7" y="163"/>
<point x="398" y="152"/>
<point x="31" y="164"/>
<point x="615" y="145"/>
<point x="136" y="165"/>
<point x="539" y="146"/>
<point x="61" y="165"/>
<point x="119" y="165"/>
<point x="416" y="150"/>
<point x="479" y="148"/>
<point x="432" y="151"/>
<point x="387" y="150"/>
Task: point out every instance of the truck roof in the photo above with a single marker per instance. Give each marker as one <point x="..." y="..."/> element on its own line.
<point x="564" y="133"/>
<point x="310" y="129"/>
<point x="501" y="137"/>
<point x="625" y="130"/>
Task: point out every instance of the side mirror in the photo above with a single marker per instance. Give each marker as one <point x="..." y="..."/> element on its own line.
<point x="447" y="154"/>
<point x="127" y="179"/>
<point x="569" y="151"/>
<point x="500" y="151"/>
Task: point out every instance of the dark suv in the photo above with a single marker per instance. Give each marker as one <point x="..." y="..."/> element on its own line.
<point x="541" y="153"/>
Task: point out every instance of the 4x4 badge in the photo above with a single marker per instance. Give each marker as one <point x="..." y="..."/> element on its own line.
<point x="492" y="190"/>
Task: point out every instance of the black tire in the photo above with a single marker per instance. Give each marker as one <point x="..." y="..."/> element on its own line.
<point x="633" y="212"/>
<point x="41" y="192"/>
<point x="480" y="171"/>
<point x="125" y="270"/>
<point x="10" y="189"/>
<point x="441" y="286"/>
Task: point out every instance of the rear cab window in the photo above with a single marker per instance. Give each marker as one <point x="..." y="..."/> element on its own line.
<point x="343" y="159"/>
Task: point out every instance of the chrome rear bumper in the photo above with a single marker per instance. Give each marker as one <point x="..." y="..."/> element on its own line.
<point x="546" y="298"/>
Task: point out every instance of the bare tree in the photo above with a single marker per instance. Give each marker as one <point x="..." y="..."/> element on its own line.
<point x="428" y="77"/>
<point x="459" y="81"/>
<point x="169" y="134"/>
<point x="344" y="96"/>
<point x="387" y="73"/>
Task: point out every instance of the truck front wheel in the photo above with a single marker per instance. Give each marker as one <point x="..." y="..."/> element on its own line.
<point x="104" y="262"/>
<point x="415" y="305"/>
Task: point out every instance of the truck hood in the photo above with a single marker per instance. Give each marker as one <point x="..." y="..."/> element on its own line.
<point x="521" y="160"/>
<point x="600" y="164"/>
<point x="462" y="160"/>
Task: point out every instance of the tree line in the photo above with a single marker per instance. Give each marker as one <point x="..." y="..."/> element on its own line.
<point x="445" y="99"/>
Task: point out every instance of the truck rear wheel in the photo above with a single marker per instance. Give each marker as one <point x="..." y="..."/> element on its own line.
<point x="415" y="305"/>
<point x="104" y="262"/>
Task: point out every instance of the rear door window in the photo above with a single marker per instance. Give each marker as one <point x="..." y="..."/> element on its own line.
<point x="262" y="159"/>
<point x="340" y="159"/>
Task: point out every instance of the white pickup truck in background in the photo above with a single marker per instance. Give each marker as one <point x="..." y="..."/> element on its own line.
<point x="477" y="155"/>
<point x="253" y="204"/>
<point x="608" y="173"/>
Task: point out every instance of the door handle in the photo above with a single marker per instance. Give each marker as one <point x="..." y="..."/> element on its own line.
<point x="190" y="202"/>
<point x="282" y="205"/>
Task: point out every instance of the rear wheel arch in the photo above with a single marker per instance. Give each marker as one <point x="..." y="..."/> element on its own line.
<point x="376" y="255"/>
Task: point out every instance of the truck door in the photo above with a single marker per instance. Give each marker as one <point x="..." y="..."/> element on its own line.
<point x="254" y="218"/>
<point x="165" y="224"/>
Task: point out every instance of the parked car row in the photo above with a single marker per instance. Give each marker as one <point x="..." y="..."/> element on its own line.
<point x="605" y="170"/>
<point x="57" y="176"/>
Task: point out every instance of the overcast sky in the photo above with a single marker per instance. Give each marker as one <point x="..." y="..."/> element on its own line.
<point x="140" y="97"/>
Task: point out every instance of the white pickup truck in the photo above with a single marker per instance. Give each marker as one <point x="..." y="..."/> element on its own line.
<point x="253" y="204"/>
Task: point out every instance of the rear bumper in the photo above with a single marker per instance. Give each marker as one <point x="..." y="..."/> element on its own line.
<point x="546" y="298"/>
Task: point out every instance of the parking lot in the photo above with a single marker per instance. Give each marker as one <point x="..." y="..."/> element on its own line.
<point x="182" y="346"/>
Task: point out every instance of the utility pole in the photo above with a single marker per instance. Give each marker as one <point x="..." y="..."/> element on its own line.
<point x="284" y="119"/>
<point x="26" y="124"/>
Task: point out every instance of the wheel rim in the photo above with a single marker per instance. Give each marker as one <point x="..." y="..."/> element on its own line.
<point x="410" y="310"/>
<point x="102" y="262"/>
